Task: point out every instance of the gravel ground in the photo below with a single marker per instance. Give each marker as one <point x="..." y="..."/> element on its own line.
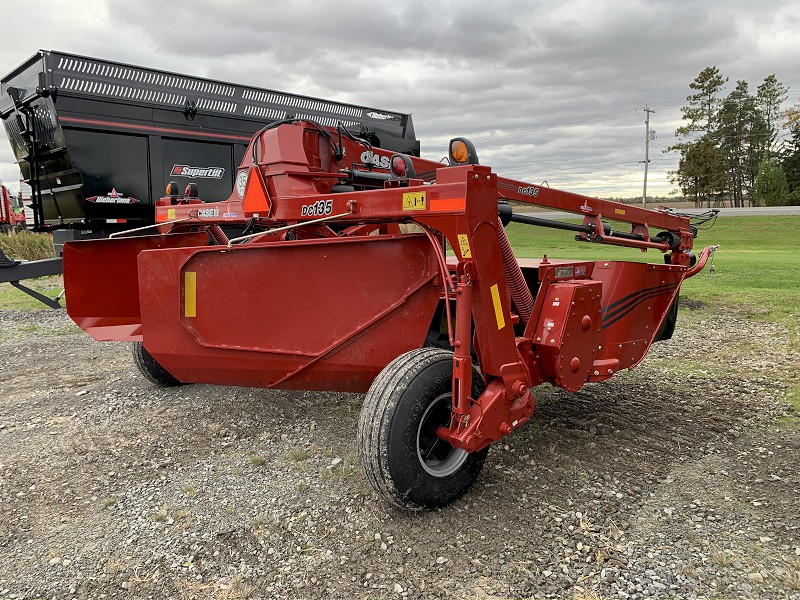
<point x="676" y="480"/>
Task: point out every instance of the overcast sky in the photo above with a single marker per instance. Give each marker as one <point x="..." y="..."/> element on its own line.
<point x="549" y="91"/>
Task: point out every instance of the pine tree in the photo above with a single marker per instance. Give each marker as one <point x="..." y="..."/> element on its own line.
<point x="742" y="135"/>
<point x="701" y="113"/>
<point x="790" y="157"/>
<point x="769" y="97"/>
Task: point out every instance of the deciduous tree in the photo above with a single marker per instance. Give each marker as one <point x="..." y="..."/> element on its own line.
<point x="770" y="184"/>
<point x="701" y="172"/>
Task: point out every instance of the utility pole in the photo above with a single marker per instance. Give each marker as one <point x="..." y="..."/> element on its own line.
<point x="647" y="138"/>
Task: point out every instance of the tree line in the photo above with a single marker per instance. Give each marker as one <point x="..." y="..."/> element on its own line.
<point x="731" y="147"/>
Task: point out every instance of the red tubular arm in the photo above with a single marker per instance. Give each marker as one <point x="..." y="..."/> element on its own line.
<point x="707" y="253"/>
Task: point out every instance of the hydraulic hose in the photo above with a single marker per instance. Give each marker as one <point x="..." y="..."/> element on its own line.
<point x="215" y="231"/>
<point x="520" y="293"/>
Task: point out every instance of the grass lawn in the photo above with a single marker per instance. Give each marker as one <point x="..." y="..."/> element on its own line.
<point x="757" y="270"/>
<point x="757" y="267"/>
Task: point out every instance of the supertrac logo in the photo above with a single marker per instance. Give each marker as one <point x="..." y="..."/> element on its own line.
<point x="199" y="172"/>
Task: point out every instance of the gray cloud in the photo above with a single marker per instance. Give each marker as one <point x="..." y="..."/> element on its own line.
<point x="548" y="90"/>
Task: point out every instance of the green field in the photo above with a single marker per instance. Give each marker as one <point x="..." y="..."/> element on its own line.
<point x="757" y="267"/>
<point x="756" y="275"/>
<point x="757" y="271"/>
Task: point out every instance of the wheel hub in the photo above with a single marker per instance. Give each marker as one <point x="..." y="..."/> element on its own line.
<point x="437" y="457"/>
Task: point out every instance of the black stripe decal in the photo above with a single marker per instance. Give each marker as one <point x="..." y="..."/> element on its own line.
<point x="642" y="295"/>
<point x="607" y="324"/>
<point x="629" y="296"/>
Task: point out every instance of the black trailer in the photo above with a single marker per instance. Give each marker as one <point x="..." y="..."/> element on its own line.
<point x="98" y="141"/>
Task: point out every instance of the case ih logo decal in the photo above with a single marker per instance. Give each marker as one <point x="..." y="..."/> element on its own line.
<point x="376" y="160"/>
<point x="201" y="172"/>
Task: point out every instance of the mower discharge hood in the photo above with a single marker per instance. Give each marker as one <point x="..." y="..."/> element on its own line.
<point x="311" y="314"/>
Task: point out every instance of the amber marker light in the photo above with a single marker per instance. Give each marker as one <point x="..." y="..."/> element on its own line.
<point x="458" y="151"/>
<point x="462" y="152"/>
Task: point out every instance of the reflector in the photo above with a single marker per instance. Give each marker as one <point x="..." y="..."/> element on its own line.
<point x="458" y="151"/>
<point x="398" y="166"/>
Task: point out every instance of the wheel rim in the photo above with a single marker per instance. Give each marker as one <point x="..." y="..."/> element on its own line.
<point x="436" y="456"/>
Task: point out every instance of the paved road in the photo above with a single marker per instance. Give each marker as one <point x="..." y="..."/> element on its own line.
<point x="726" y="212"/>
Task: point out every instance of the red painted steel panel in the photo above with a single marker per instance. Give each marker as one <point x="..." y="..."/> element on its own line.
<point x="636" y="298"/>
<point x="311" y="314"/>
<point x="102" y="284"/>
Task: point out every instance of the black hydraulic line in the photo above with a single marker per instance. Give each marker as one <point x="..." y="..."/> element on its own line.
<point x="621" y="234"/>
<point x="528" y="220"/>
<point x="587" y="229"/>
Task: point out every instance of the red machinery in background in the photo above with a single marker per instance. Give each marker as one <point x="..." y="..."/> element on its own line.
<point x="10" y="219"/>
<point x="342" y="282"/>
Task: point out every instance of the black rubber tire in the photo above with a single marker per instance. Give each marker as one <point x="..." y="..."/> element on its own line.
<point x="149" y="367"/>
<point x="411" y="387"/>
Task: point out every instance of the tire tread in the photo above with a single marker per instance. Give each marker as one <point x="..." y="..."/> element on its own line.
<point x="149" y="367"/>
<point x="374" y="426"/>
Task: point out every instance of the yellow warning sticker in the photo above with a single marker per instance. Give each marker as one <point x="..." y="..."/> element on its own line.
<point x="498" y="307"/>
<point x="171" y="214"/>
<point x="619" y="211"/>
<point x="414" y="201"/>
<point x="463" y="244"/>
<point x="190" y="294"/>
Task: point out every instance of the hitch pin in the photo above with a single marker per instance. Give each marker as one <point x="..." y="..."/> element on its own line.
<point x="711" y="268"/>
<point x="287" y="227"/>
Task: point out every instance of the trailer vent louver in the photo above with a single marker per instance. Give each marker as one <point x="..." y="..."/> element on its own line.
<point x="98" y="78"/>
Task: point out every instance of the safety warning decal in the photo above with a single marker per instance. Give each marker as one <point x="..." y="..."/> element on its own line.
<point x="414" y="201"/>
<point x="463" y="245"/>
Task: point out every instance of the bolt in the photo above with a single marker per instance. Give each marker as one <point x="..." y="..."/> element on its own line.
<point x="505" y="428"/>
<point x="538" y="339"/>
<point x="597" y="372"/>
<point x="520" y="388"/>
<point x="610" y="371"/>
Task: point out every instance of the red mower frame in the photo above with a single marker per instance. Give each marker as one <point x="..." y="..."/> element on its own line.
<point x="343" y="276"/>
